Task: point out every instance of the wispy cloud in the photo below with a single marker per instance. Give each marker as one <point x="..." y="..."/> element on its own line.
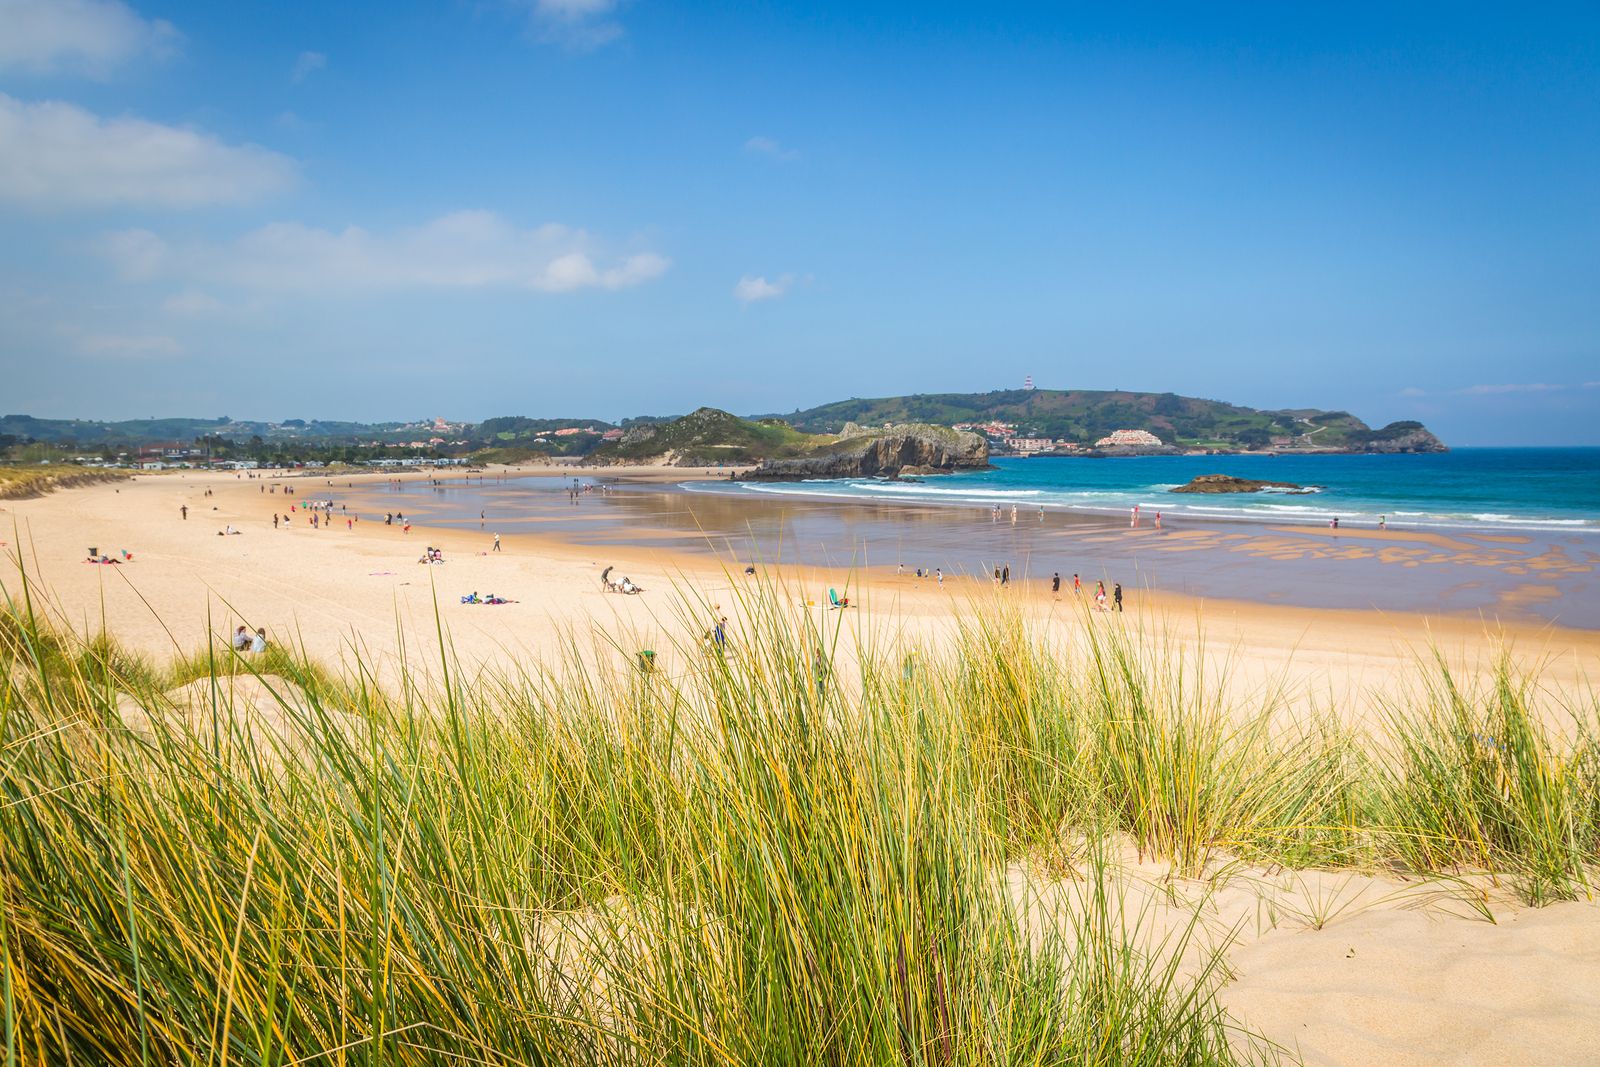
<point x="55" y="154"/>
<point x="465" y="250"/>
<point x="89" y="37"/>
<point x="307" y="64"/>
<point x="1412" y="390"/>
<point x="752" y="289"/>
<point x="1497" y="390"/>
<point x="582" y="25"/>
<point x="770" y="147"/>
<point x="191" y="303"/>
<point x="124" y="346"/>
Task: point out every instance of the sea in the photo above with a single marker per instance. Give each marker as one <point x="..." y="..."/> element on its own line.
<point x="1549" y="490"/>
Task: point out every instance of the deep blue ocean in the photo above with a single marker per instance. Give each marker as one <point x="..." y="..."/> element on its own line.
<point x="1546" y="489"/>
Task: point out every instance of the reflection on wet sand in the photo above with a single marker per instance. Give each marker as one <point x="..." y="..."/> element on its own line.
<point x="1392" y="570"/>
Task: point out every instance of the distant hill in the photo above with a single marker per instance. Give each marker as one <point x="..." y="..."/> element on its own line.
<point x="1084" y="416"/>
<point x="704" y="438"/>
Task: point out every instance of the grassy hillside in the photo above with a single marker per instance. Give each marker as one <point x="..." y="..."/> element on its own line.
<point x="1085" y="415"/>
<point x="709" y="436"/>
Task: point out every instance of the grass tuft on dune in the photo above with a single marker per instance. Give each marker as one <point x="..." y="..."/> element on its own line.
<point x="776" y="853"/>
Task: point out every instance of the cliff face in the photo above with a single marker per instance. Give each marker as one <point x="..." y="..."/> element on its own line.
<point x="916" y="449"/>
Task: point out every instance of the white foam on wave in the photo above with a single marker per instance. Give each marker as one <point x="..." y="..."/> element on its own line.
<point x="1150" y="498"/>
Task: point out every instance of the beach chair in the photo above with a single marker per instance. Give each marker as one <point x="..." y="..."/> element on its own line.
<point x="837" y="601"/>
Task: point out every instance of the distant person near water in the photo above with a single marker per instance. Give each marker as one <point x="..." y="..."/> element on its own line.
<point x="1055" y="585"/>
<point x="497" y="542"/>
<point x="1116" y="595"/>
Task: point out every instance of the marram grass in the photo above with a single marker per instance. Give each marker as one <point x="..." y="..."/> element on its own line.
<point x="763" y="856"/>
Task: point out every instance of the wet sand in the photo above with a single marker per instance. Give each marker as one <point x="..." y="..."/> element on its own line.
<point x="1492" y="577"/>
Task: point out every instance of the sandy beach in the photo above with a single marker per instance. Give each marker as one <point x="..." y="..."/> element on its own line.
<point x="1400" y="973"/>
<point x="360" y="583"/>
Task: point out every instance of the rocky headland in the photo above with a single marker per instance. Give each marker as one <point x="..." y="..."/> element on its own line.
<point x="914" y="449"/>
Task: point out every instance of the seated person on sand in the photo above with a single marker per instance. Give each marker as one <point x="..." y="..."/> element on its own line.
<point x="259" y="642"/>
<point x="627" y="586"/>
<point x="241" y="639"/>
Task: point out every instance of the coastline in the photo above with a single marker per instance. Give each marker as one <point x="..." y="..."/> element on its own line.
<point x="337" y="589"/>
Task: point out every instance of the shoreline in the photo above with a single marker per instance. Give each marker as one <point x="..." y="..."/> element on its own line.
<point x="333" y="590"/>
<point x="1520" y="578"/>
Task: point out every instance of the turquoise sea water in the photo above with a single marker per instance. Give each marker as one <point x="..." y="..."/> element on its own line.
<point x="1545" y="489"/>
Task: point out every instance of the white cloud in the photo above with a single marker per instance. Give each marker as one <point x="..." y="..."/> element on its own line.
<point x="465" y="250"/>
<point x="578" y="24"/>
<point x="77" y="36"/>
<point x="307" y="64"/>
<point x="1412" y="390"/>
<point x="124" y="346"/>
<point x="55" y="154"/>
<point x="753" y="288"/>
<point x="767" y="146"/>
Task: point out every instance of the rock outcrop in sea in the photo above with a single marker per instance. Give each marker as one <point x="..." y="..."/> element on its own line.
<point x="1227" y="483"/>
<point x="916" y="448"/>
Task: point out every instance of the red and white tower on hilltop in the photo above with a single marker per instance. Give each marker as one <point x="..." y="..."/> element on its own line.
<point x="1027" y="383"/>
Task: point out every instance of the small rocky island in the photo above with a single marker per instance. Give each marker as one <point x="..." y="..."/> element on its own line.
<point x="1227" y="483"/>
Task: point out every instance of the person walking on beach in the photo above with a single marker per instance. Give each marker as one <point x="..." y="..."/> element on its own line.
<point x="1013" y="514"/>
<point x="1116" y="595"/>
<point x="1005" y="575"/>
<point x="1383" y="522"/>
<point x="183" y="509"/>
<point x="1077" y="585"/>
<point x="1135" y="520"/>
<point x="938" y="573"/>
<point x="1100" y="596"/>
<point x="497" y="542"/>
<point x="1158" y="520"/>
<point x="274" y="520"/>
<point x="1055" y="585"/>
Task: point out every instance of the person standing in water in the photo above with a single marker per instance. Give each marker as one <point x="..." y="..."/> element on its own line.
<point x="1383" y="522"/>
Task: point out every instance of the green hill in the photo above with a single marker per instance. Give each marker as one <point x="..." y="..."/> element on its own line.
<point x="707" y="437"/>
<point x="1084" y="416"/>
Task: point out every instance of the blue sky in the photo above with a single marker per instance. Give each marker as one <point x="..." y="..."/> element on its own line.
<point x="600" y="208"/>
